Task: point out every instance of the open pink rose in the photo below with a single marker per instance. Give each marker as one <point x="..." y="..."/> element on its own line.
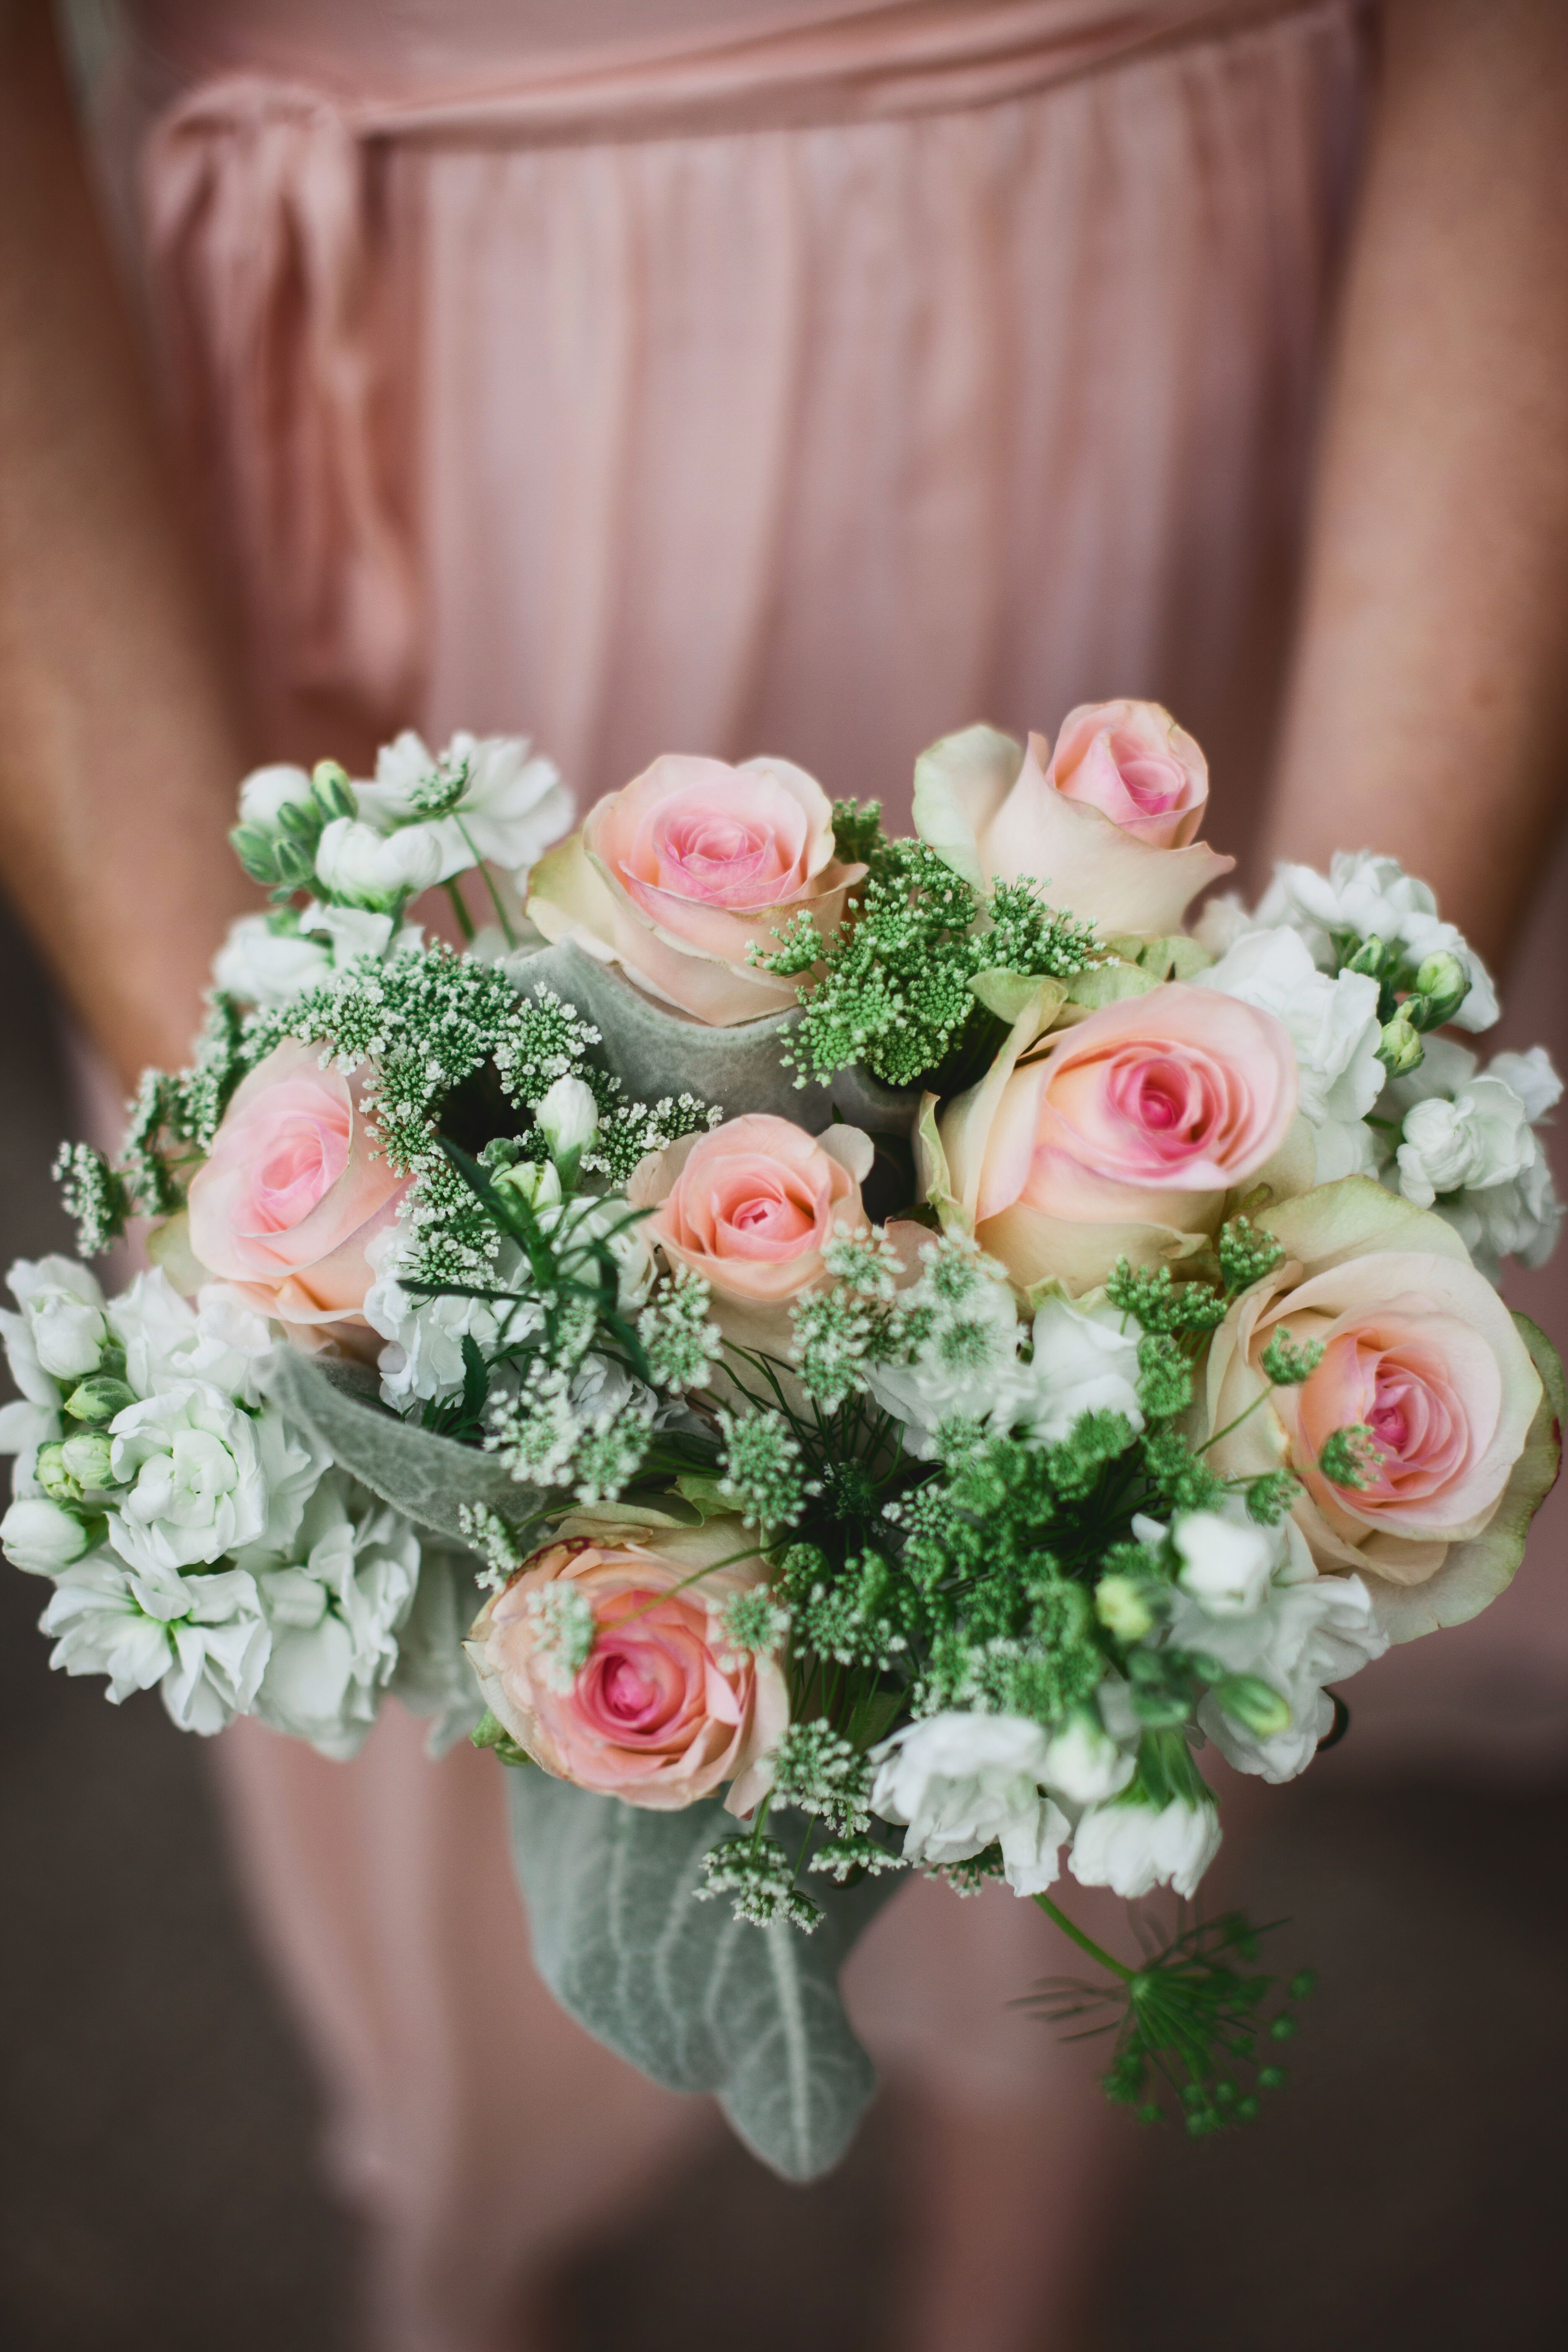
<point x="1122" y="1136"/>
<point x="1106" y="825"/>
<point x="1418" y="1348"/>
<point x="290" y="1194"/>
<point x="750" y="1206"/>
<point x="605" y="1658"/>
<point x="676" y="875"/>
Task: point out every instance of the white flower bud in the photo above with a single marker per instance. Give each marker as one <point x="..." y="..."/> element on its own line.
<point x="260" y="966"/>
<point x="568" y="1118"/>
<point x="534" y="1183"/>
<point x="41" y="1536"/>
<point x="267" y="791"/>
<point x="373" y="869"/>
<point x="1226" y="1564"/>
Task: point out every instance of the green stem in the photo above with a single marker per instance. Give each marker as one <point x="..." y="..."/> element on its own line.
<point x="465" y="921"/>
<point x="1085" y="1943"/>
<point x="489" y="880"/>
<point x="1245" y="1414"/>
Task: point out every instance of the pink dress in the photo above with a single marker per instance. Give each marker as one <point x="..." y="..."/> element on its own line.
<point x="719" y="375"/>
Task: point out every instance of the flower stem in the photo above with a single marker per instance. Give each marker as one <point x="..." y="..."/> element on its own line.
<point x="489" y="882"/>
<point x="1085" y="1943"/>
<point x="465" y="921"/>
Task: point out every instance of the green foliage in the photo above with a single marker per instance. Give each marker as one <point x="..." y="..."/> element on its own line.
<point x="1160" y="1304"/>
<point x="1192" y="2025"/>
<point x="893" y="987"/>
<point x="1245" y="1254"/>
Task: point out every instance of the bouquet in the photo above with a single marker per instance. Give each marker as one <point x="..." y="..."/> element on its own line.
<point x="830" y="1355"/>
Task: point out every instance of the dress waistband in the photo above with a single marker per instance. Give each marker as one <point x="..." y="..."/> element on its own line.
<point x="261" y="257"/>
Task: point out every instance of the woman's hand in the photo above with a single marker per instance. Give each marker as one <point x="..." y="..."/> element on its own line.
<point x="121" y="739"/>
<point x="1429" y="716"/>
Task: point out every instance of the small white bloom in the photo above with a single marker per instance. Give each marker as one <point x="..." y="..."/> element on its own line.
<point x="1134" y="1847"/>
<point x="351" y="932"/>
<point x="42" y="1537"/>
<point x="1373" y="898"/>
<point x="1227" y="1563"/>
<point x="372" y="870"/>
<point x="64" y="1310"/>
<point x="334" y="1606"/>
<point x="1222" y="922"/>
<point x="1521" y="1220"/>
<point x="509" y="807"/>
<point x="1334" y="1028"/>
<point x="1532" y="1079"/>
<point x="197" y="1486"/>
<point x="423" y="1358"/>
<point x="202" y="1637"/>
<point x="959" y="1783"/>
<point x="1481" y="1136"/>
<point x="1085" y="1360"/>
<point x="568" y="1118"/>
<point x="259" y="965"/>
<point x="267" y="791"/>
<point x="1304" y="1631"/>
<point x="1083" y="1765"/>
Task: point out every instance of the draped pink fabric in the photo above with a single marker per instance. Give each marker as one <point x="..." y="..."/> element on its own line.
<point x="651" y="374"/>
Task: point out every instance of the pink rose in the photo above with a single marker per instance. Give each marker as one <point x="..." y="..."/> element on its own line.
<point x="1133" y="764"/>
<point x="291" y="1193"/>
<point x="679" y="874"/>
<point x="751" y="1206"/>
<point x="605" y="1658"/>
<point x="1122" y="1137"/>
<point x="1416" y="1347"/>
<point x="1106" y="826"/>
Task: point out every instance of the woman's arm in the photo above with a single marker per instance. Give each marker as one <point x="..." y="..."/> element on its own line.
<point x="121" y="739"/>
<point x="1429" y="716"/>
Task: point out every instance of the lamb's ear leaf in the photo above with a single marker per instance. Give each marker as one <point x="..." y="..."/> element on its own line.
<point x="693" y="1997"/>
<point x="656" y="1050"/>
<point x="424" y="1476"/>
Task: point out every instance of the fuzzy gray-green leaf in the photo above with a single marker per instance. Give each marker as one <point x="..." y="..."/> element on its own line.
<point x="687" y="1992"/>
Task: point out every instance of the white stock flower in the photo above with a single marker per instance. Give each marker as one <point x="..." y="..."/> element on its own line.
<point x="510" y="809"/>
<point x="1085" y="1360"/>
<point x="1521" y="1219"/>
<point x="41" y="1535"/>
<point x="197" y="1485"/>
<point x="221" y="1340"/>
<point x="423" y="1358"/>
<point x="63" y="1308"/>
<point x="334" y="1604"/>
<point x="1301" y="1630"/>
<point x="1135" y="1847"/>
<point x="267" y="791"/>
<point x="1227" y="1563"/>
<point x="1532" y="1079"/>
<point x="259" y="965"/>
<point x="1479" y="1138"/>
<point x="1458" y="1138"/>
<point x="372" y="869"/>
<point x="1334" y="1028"/>
<point x="959" y="1783"/>
<point x="1083" y="1765"/>
<point x="1373" y="898"/>
<point x="354" y="931"/>
<point x="203" y="1637"/>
